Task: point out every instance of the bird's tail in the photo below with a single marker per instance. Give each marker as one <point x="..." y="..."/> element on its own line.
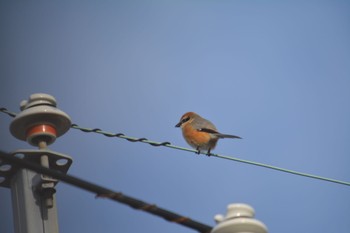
<point x="220" y="135"/>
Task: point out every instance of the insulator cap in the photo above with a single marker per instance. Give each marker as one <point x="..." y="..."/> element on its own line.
<point x="39" y="120"/>
<point x="239" y="219"/>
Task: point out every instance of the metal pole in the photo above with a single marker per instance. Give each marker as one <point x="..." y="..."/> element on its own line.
<point x="30" y="212"/>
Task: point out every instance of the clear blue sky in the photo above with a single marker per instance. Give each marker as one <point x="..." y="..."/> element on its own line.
<point x="275" y="73"/>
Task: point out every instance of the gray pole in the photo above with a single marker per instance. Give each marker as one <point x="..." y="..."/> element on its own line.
<point x="31" y="214"/>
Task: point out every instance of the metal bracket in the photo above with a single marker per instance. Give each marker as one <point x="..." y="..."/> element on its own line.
<point x="57" y="161"/>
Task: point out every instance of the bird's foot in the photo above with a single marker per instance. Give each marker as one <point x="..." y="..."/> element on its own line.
<point x="209" y="154"/>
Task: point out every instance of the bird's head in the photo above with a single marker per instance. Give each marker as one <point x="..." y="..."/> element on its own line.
<point x="186" y="118"/>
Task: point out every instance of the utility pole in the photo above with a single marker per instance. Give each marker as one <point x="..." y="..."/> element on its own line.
<point x="33" y="195"/>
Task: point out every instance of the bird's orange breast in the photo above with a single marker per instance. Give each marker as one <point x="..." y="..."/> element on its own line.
<point x="195" y="137"/>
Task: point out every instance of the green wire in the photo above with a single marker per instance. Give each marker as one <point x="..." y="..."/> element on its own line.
<point x="167" y="144"/>
<point x="215" y="155"/>
<point x="283" y="170"/>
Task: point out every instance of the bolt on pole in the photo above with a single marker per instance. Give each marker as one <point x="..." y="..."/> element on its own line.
<point x="33" y="195"/>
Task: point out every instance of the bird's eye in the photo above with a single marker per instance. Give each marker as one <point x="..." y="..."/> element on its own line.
<point x="185" y="119"/>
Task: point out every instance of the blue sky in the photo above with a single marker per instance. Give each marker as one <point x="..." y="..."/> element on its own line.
<point x="275" y="73"/>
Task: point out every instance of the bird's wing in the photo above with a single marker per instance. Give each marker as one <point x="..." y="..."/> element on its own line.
<point x="220" y="135"/>
<point x="208" y="130"/>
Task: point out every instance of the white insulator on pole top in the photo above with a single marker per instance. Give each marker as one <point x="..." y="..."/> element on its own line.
<point x="40" y="120"/>
<point x="239" y="219"/>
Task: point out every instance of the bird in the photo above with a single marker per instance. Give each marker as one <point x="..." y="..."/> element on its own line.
<point x="200" y="133"/>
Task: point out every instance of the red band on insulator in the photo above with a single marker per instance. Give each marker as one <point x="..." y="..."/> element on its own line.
<point x="39" y="129"/>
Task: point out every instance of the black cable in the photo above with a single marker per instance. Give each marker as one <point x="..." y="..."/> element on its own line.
<point x="108" y="193"/>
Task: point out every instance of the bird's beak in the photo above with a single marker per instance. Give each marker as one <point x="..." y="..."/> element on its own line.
<point x="178" y="124"/>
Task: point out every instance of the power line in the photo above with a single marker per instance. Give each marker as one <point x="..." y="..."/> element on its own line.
<point x="168" y="144"/>
<point x="107" y="193"/>
<point x="11" y="114"/>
